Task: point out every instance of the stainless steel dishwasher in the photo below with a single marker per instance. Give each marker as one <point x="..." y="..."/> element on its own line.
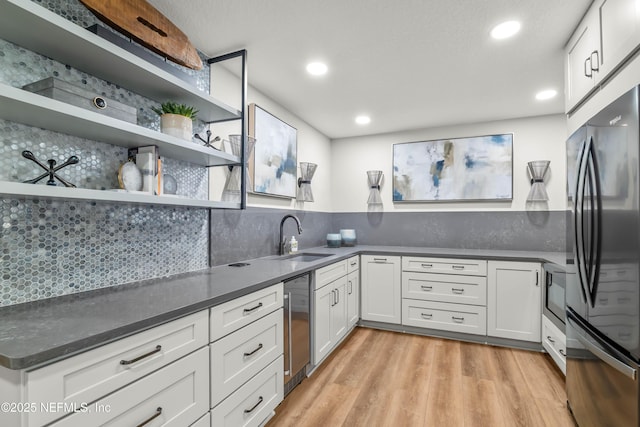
<point x="296" y="330"/>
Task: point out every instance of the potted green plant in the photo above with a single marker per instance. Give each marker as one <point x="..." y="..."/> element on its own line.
<point x="176" y="119"/>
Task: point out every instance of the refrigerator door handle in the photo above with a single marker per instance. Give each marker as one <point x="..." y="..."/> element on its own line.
<point x="290" y="338"/>
<point x="595" y="250"/>
<point x="602" y="354"/>
<point x="578" y="225"/>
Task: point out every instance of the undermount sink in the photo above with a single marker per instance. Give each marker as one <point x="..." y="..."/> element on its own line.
<point x="303" y="257"/>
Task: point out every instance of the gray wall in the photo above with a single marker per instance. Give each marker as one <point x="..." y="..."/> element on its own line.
<point x="240" y="235"/>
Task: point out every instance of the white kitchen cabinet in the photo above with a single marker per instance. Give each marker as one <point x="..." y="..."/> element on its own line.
<point x="175" y="396"/>
<point x="330" y="320"/>
<point x="606" y="37"/>
<point x="353" y="298"/>
<point x="380" y="288"/>
<point x="514" y="300"/>
<point x="554" y="342"/>
<point x="91" y="375"/>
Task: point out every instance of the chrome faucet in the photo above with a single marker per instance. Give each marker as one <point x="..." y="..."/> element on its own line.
<point x="283" y="240"/>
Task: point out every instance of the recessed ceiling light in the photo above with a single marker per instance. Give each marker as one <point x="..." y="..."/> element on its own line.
<point x="546" y="94"/>
<point x="363" y="120"/>
<point x="317" y="68"/>
<point x="505" y="30"/>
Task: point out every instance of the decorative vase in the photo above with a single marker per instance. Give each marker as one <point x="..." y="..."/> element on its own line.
<point x="177" y="125"/>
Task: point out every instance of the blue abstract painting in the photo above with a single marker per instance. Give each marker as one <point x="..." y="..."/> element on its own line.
<point x="456" y="169"/>
<point x="274" y="166"/>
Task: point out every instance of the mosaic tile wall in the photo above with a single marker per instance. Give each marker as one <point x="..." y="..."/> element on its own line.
<point x="51" y="248"/>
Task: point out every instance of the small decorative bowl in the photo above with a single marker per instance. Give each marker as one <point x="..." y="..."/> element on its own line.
<point x="348" y="237"/>
<point x="334" y="240"/>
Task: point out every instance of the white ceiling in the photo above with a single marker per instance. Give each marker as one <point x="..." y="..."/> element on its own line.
<point x="409" y="64"/>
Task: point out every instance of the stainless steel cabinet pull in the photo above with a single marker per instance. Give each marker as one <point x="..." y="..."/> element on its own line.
<point x="458" y="267"/>
<point x="354" y="263"/>
<point x="129" y="362"/>
<point x="551" y="340"/>
<point x="537" y="283"/>
<point x="588" y="73"/>
<point x="350" y="287"/>
<point x="249" y="310"/>
<point x="250" y="410"/>
<point x="427" y="265"/>
<point x="597" y="68"/>
<point x="379" y="260"/>
<point x="457" y="319"/>
<point x="333" y="297"/>
<point x="426" y="315"/>
<point x="153" y="417"/>
<point x="251" y="353"/>
<point x="562" y="352"/>
<point x="457" y="290"/>
<point x="426" y="287"/>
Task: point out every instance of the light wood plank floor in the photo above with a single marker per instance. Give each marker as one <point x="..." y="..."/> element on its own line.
<point x="379" y="378"/>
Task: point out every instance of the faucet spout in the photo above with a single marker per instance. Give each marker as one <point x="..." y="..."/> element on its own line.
<point x="282" y="240"/>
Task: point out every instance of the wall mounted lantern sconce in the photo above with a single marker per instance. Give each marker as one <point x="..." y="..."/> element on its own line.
<point x="304" y="193"/>
<point x="537" y="171"/>
<point x="375" y="180"/>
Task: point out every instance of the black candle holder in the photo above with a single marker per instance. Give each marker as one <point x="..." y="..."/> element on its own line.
<point x="51" y="169"/>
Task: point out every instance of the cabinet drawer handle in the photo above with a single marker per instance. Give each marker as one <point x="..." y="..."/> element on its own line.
<point x="551" y="340"/>
<point x="457" y="319"/>
<point x="379" y="260"/>
<point x="457" y="290"/>
<point x="249" y="310"/>
<point x="426" y="288"/>
<point x="350" y="287"/>
<point x="354" y="263"/>
<point x="427" y="265"/>
<point x="251" y="353"/>
<point x="129" y="362"/>
<point x="153" y="417"/>
<point x="562" y="352"/>
<point x="250" y="410"/>
<point x="426" y="315"/>
<point x="458" y="267"/>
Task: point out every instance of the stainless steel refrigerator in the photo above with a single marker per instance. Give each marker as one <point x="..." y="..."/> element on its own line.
<point x="602" y="297"/>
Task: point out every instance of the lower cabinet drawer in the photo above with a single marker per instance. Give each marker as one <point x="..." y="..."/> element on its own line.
<point x="234" y="314"/>
<point x="445" y="265"/>
<point x="89" y="376"/>
<point x="176" y="395"/>
<point x="252" y="403"/>
<point x="239" y="356"/>
<point x="445" y="288"/>
<point x="469" y="319"/>
<point x="554" y="342"/>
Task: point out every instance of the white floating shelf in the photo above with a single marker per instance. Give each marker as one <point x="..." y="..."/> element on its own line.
<point x="31" y="26"/>
<point x="21" y="106"/>
<point x="19" y="189"/>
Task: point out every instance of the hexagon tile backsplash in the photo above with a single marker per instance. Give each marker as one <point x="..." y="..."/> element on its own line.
<point x="50" y="248"/>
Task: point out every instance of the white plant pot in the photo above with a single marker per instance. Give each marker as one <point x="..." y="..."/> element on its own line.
<point x="177" y="125"/>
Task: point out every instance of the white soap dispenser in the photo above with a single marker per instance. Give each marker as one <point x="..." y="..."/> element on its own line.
<point x="294" y="245"/>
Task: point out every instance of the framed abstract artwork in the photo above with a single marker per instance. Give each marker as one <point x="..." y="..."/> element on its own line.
<point x="476" y="168"/>
<point x="273" y="165"/>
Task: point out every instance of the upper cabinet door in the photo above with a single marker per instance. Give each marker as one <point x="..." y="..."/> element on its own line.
<point x="582" y="60"/>
<point x="619" y="32"/>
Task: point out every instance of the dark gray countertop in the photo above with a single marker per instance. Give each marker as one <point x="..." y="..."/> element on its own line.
<point x="41" y="332"/>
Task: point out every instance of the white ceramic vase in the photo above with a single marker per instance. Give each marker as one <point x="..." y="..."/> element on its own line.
<point x="177" y="125"/>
